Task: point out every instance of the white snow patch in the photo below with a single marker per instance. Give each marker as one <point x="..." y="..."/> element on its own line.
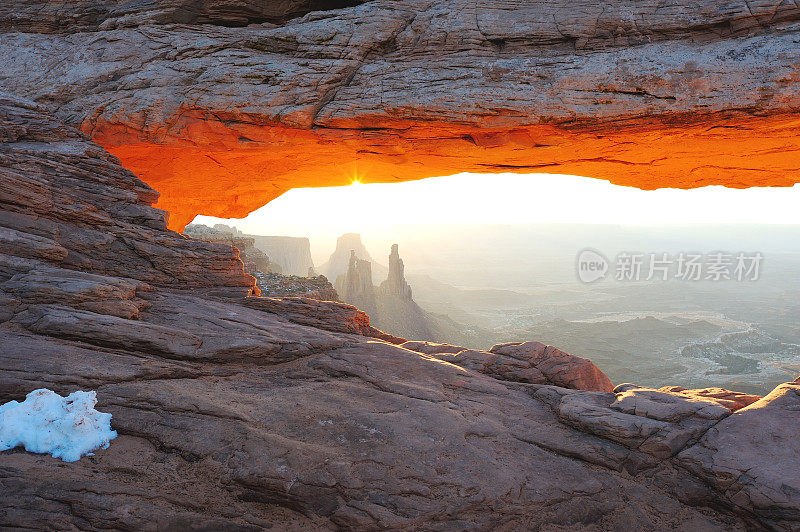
<point x="66" y="427"/>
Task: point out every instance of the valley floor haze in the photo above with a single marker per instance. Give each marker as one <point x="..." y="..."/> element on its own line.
<point x="493" y="258"/>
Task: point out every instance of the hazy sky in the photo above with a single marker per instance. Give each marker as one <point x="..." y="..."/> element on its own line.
<point x="509" y="198"/>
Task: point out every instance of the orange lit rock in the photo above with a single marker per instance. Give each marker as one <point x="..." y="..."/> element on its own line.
<point x="221" y="119"/>
<point x="230" y="181"/>
<point x="729" y="399"/>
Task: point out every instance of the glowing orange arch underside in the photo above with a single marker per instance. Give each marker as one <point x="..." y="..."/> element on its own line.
<point x="203" y="166"/>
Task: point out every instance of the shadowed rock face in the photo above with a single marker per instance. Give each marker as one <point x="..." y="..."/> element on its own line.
<point x="243" y="413"/>
<point x="66" y="202"/>
<point x="221" y="120"/>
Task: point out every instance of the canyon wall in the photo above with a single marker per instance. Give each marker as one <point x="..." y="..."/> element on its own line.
<point x="286" y="254"/>
<point x="292" y="254"/>
<point x="270" y="280"/>
<point x="221" y="116"/>
<point x="255" y="260"/>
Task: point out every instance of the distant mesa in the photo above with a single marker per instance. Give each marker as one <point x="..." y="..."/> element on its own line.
<point x="281" y="265"/>
<point x="292" y="253"/>
<point x="339" y="261"/>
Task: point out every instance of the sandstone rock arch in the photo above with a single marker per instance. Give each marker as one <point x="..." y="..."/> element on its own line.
<point x="236" y="412"/>
<point x="220" y="117"/>
<point x="223" y="119"/>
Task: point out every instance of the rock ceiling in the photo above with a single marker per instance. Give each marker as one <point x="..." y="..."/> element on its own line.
<point x="223" y="106"/>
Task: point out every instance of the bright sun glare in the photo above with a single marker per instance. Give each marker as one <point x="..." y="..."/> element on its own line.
<point x="509" y="199"/>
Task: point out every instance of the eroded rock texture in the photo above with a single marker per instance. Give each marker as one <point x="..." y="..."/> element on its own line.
<point x="221" y="117"/>
<point x="237" y="412"/>
<point x="529" y="362"/>
<point x="66" y="202"/>
<point x="730" y="457"/>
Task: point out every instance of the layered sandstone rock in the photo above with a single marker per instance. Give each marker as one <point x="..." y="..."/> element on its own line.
<point x="222" y="119"/>
<point x="328" y="315"/>
<point x="66" y="202"/>
<point x="751" y="457"/>
<point x="431" y="348"/>
<point x="254" y="260"/>
<point x="646" y="421"/>
<point x="94" y="15"/>
<point x="560" y="368"/>
<point x="528" y="362"/>
<point x="294" y="254"/>
<point x="318" y="287"/>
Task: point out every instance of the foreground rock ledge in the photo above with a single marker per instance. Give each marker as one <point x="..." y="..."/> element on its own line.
<point x="223" y="119"/>
<point x="242" y="413"/>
